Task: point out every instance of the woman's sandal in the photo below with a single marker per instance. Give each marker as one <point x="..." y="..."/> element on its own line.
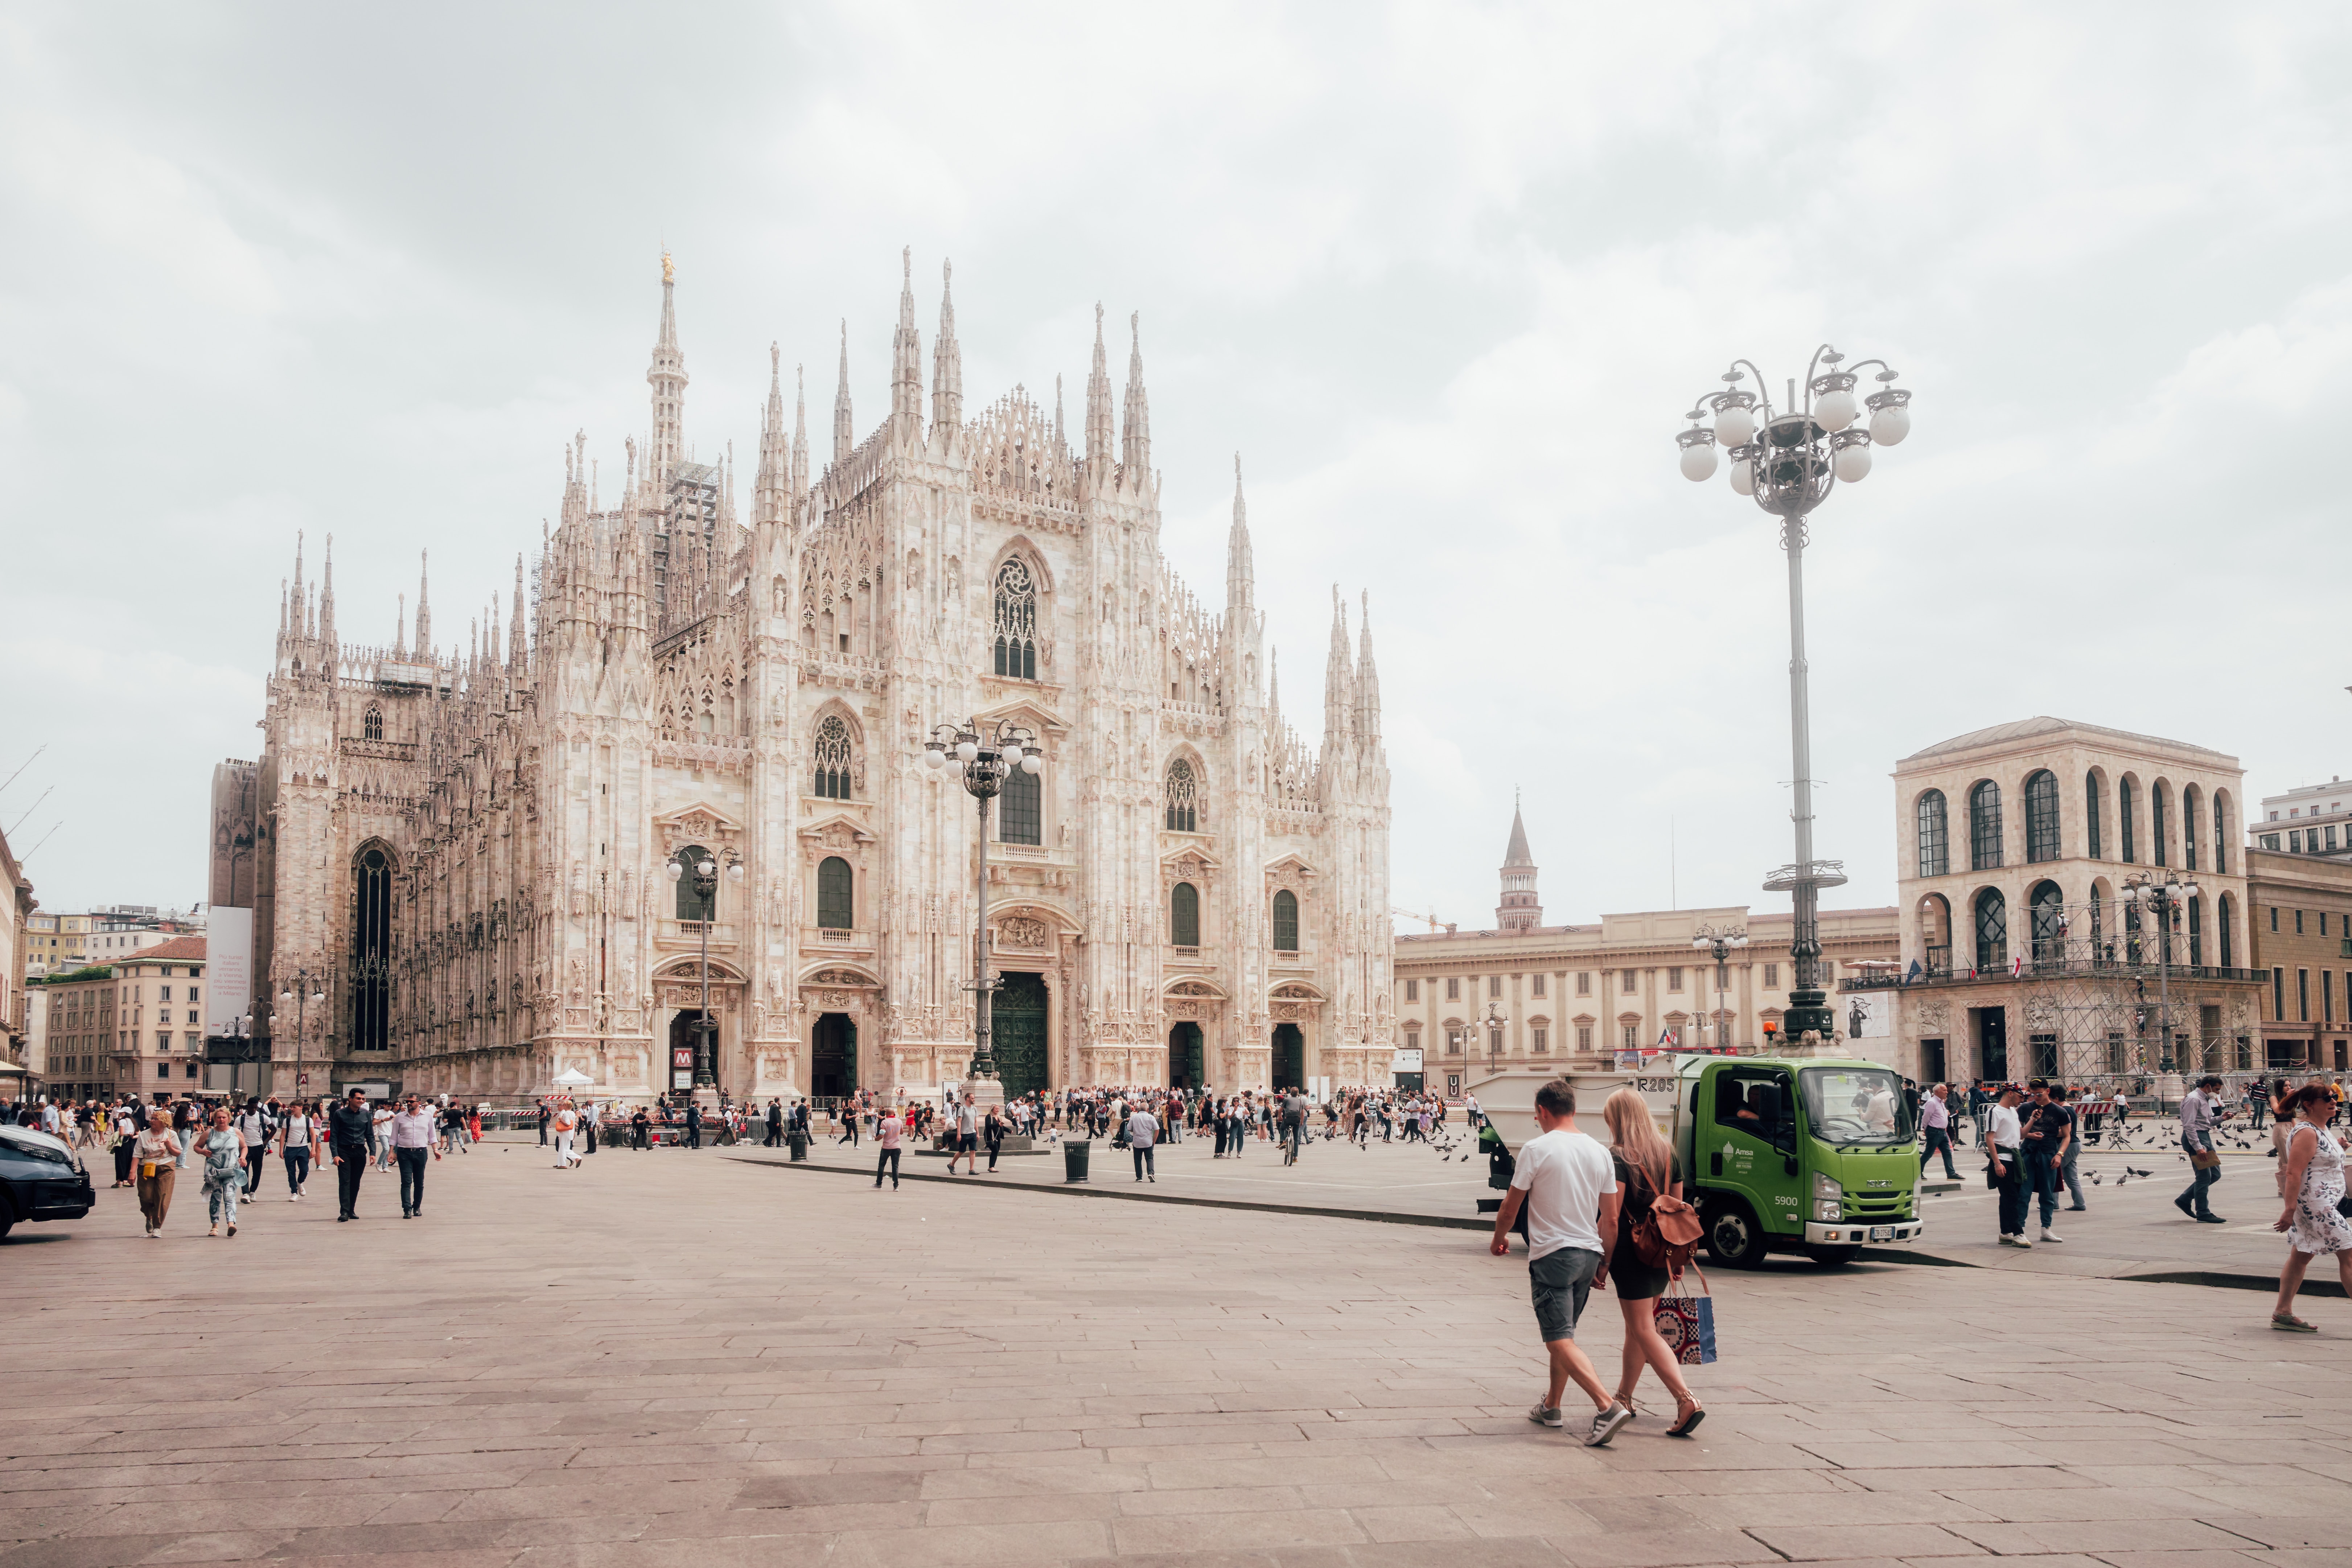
<point x="1627" y="1401"/>
<point x="1688" y="1414"/>
<point x="2288" y="1324"/>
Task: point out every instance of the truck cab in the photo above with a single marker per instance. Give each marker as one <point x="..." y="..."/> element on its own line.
<point x="1807" y="1154"/>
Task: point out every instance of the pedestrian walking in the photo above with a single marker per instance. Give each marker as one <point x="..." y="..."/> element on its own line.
<point x="993" y="1134"/>
<point x="693" y="1125"/>
<point x="123" y="1140"/>
<point x="157" y="1153"/>
<point x="1647" y="1169"/>
<point x="546" y="1115"/>
<point x="224" y="1151"/>
<point x="2005" y="1165"/>
<point x="2311" y="1182"/>
<point x="1142" y="1132"/>
<point x="1567" y="1184"/>
<point x="775" y="1138"/>
<point x="296" y="1131"/>
<point x="641" y="1126"/>
<point x="2068" y="1099"/>
<point x="412" y="1141"/>
<point x="567" y="1122"/>
<point x="2199" y="1110"/>
<point x="886" y="1134"/>
<point x="1935" y="1116"/>
<point x="963" y="1138"/>
<point x="254" y="1124"/>
<point x="351" y="1136"/>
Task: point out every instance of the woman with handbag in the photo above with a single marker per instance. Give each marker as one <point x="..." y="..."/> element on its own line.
<point x="1647" y="1172"/>
<point x="2312" y="1180"/>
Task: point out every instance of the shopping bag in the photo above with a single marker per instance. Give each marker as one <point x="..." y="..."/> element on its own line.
<point x="1686" y="1322"/>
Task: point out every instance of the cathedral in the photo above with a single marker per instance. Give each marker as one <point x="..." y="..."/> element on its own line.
<point x="468" y="854"/>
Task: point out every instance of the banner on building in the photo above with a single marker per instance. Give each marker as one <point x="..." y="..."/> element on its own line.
<point x="229" y="970"/>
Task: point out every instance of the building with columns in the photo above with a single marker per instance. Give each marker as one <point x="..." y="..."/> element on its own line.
<point x="469" y="849"/>
<point x="1577" y="995"/>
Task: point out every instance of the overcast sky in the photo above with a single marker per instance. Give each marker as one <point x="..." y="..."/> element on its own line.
<point x="1446" y="277"/>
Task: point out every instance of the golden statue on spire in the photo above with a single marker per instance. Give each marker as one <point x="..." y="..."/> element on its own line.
<point x="669" y="273"/>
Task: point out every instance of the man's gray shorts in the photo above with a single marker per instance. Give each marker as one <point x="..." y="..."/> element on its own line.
<point x="1559" y="1282"/>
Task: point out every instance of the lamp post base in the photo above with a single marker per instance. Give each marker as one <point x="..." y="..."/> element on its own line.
<point x="983" y="1092"/>
<point x="1808" y="1010"/>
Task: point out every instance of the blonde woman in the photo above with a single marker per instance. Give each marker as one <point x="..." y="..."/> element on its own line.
<point x="1647" y="1168"/>
<point x="224" y="1169"/>
<point x="157" y="1153"/>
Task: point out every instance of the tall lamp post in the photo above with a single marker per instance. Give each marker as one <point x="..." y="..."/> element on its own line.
<point x="706" y="875"/>
<point x="1723" y="944"/>
<point x="986" y="755"/>
<point x="1788" y="462"/>
<point x="2164" y="902"/>
<point x="302" y="988"/>
<point x="1495" y="1021"/>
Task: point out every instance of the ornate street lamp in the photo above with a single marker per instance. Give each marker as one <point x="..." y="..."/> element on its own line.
<point x="985" y="756"/>
<point x="1723" y="944"/>
<point x="2162" y="901"/>
<point x="1495" y="1021"/>
<point x="706" y="891"/>
<point x="302" y="988"/>
<point x="1788" y="462"/>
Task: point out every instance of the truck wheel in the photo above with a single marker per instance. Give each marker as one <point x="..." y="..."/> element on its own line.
<point x="1734" y="1239"/>
<point x="1832" y="1256"/>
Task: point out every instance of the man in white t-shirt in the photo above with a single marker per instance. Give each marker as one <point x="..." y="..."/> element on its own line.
<point x="963" y="1136"/>
<point x="2005" y="1159"/>
<point x="1568" y="1185"/>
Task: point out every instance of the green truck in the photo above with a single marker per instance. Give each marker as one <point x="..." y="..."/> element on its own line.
<point x="1806" y="1155"/>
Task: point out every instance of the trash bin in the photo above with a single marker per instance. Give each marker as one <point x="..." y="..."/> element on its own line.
<point x="1074" y="1159"/>
<point x="797" y="1140"/>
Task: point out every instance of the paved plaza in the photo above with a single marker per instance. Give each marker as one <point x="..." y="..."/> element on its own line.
<point x="697" y="1358"/>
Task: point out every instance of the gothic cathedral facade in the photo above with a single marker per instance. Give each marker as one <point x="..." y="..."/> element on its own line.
<point x="468" y="853"/>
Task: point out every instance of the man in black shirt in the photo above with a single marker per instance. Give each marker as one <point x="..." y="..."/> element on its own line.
<point x="2047" y="1126"/>
<point x="350" y="1137"/>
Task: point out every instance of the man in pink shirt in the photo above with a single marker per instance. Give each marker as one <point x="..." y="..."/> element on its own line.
<point x="890" y="1133"/>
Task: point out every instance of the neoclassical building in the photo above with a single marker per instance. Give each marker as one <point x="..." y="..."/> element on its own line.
<point x="469" y="849"/>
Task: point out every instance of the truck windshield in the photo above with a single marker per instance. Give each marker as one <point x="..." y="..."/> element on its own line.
<point x="1855" y="1105"/>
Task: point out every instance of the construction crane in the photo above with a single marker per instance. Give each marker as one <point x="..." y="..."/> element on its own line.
<point x="1430" y="919"/>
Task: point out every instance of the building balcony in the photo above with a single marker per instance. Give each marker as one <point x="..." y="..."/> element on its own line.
<point x="1937" y="970"/>
<point x="671" y="934"/>
<point x="388" y="750"/>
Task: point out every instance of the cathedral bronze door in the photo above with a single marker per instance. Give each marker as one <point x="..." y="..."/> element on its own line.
<point x="1289" y="1057"/>
<point x="833" y="1057"/>
<point x="1184" y="1056"/>
<point x="1016" y="1034"/>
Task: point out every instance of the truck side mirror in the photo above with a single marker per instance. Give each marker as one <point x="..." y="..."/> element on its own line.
<point x="1789" y="1164"/>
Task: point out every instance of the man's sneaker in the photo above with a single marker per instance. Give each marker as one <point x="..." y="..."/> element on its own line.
<point x="1547" y="1416"/>
<point x="1606" y="1425"/>
<point x="2015" y="1241"/>
<point x="2182" y="1204"/>
<point x="2050" y="1234"/>
<point x="2210" y="1219"/>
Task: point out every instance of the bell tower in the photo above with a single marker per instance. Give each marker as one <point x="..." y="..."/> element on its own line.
<point x="1520" y="909"/>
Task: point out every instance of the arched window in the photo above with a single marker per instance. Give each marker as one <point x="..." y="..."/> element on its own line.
<point x="833" y="759"/>
<point x="2124" y="820"/>
<point x="691" y="905"/>
<point x="2156" y="823"/>
<point x="1992" y="932"/>
<point x="1183" y="815"/>
<point x="371" y="953"/>
<point x="2047" y="907"/>
<point x="1020" y="809"/>
<point x="836" y="894"/>
<point x="2041" y="818"/>
<point x="2189" y="804"/>
<point x="1984" y="827"/>
<point x="2222" y="848"/>
<point x="1935" y="836"/>
<point x="1016" y="621"/>
<point x="1286" y="921"/>
<point x="2196" y="918"/>
<point x="371" y="723"/>
<point x="1184" y="915"/>
<point x="2221" y="927"/>
<point x="2091" y="813"/>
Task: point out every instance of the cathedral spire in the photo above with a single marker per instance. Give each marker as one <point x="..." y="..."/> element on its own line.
<point x="1061" y="433"/>
<point x="907" y="358"/>
<point x="1241" y="574"/>
<point x="1368" y="681"/>
<point x="775" y="449"/>
<point x="327" y="599"/>
<point x="947" y="361"/>
<point x="1134" y="437"/>
<point x="666" y="375"/>
<point x="424" y="608"/>
<point x="1339" y="696"/>
<point x="844" y="433"/>
<point x="400" y="631"/>
<point x="1099" y="422"/>
<point x="297" y="596"/>
<point x="518" y="643"/>
<point x="800" y="435"/>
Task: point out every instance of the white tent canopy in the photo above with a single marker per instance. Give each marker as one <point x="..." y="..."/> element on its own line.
<point x="572" y="1077"/>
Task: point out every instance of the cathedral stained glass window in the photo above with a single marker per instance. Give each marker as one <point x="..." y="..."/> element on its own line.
<point x="1016" y="621"/>
<point x="833" y="759"/>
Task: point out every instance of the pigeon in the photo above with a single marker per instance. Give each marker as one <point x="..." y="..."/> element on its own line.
<point x="2094" y="1179"/>
<point x="2140" y="1173"/>
<point x="2122" y="1180"/>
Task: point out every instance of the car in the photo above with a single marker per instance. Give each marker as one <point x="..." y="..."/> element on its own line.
<point x="40" y="1179"/>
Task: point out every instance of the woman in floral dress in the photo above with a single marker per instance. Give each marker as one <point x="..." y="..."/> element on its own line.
<point x="2312" y="1179"/>
<point x="224" y="1171"/>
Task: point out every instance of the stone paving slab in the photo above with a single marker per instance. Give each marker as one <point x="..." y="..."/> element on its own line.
<point x="684" y="1358"/>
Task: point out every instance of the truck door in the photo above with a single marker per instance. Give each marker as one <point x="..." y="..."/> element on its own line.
<point x="1753" y="1142"/>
